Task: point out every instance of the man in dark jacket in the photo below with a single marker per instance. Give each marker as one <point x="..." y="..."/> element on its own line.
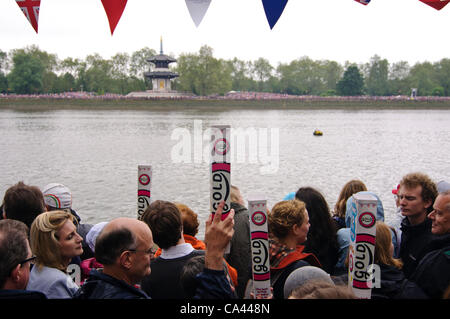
<point x="164" y="219"/>
<point x="433" y="272"/>
<point x="416" y="197"/>
<point x="123" y="247"/>
<point x="125" y="267"/>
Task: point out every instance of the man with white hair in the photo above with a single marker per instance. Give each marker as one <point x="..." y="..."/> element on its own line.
<point x="433" y="271"/>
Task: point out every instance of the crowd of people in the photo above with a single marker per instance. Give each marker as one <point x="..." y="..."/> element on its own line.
<point x="44" y="245"/>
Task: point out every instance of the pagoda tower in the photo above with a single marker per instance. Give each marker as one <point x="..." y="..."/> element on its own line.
<point x="160" y="75"/>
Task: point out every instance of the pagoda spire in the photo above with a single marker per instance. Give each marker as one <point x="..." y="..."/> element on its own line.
<point x="160" y="46"/>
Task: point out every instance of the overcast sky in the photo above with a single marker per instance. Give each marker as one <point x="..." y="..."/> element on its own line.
<point x="339" y="30"/>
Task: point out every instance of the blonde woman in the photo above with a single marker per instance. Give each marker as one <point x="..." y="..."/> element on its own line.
<point x="54" y="242"/>
<point x="288" y="230"/>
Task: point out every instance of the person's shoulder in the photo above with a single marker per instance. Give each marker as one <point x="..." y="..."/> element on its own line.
<point x="239" y="209"/>
<point x="102" y="286"/>
<point x="343" y="236"/>
<point x="21" y="294"/>
<point x="197" y="252"/>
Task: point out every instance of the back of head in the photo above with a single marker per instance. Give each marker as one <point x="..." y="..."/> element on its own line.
<point x="191" y="269"/>
<point x="23" y="202"/>
<point x="319" y="289"/>
<point x="111" y="242"/>
<point x="93" y="233"/>
<point x="13" y="246"/>
<point x="189" y="218"/>
<point x="302" y="275"/>
<point x="352" y="205"/>
<point x="318" y="211"/>
<point x="443" y="186"/>
<point x="57" y="196"/>
<point x="235" y="195"/>
<point x="164" y="220"/>
<point x="383" y="246"/>
<point x="351" y="187"/>
<point x="313" y="199"/>
<point x="429" y="188"/>
<point x="44" y="240"/>
<point x="284" y="215"/>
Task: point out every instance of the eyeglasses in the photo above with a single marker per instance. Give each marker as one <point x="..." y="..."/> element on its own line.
<point x="150" y="252"/>
<point x="31" y="259"/>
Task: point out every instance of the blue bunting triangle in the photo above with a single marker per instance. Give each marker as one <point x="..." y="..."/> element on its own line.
<point x="273" y="9"/>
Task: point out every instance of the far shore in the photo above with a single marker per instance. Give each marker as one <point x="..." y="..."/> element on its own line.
<point x="117" y="102"/>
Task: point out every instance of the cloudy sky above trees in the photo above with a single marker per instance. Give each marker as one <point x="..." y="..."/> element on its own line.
<point x="339" y="30"/>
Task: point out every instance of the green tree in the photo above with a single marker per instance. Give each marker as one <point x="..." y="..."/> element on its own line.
<point x="262" y="71"/>
<point x="352" y="82"/>
<point x="96" y="74"/>
<point x="241" y="75"/>
<point x="120" y="71"/>
<point x="442" y="70"/>
<point x="438" y="91"/>
<point x="138" y="62"/>
<point x="3" y="81"/>
<point x="26" y="74"/>
<point x="302" y="76"/>
<point x="65" y="83"/>
<point x="398" y="78"/>
<point x="423" y="77"/>
<point x="332" y="72"/>
<point x="202" y="74"/>
<point x="70" y="66"/>
<point x="50" y="63"/>
<point x="49" y="82"/>
<point x="377" y="76"/>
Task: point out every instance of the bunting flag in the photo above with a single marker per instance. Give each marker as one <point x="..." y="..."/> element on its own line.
<point x="197" y="9"/>
<point x="30" y="9"/>
<point x="114" y="10"/>
<point x="437" y="4"/>
<point x="364" y="2"/>
<point x="273" y="9"/>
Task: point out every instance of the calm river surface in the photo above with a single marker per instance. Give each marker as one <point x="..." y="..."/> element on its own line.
<point x="96" y="153"/>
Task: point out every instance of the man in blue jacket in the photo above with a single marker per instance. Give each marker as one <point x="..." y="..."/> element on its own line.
<point x="124" y="248"/>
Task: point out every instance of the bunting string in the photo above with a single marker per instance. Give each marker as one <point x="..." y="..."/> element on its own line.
<point x="197" y="10"/>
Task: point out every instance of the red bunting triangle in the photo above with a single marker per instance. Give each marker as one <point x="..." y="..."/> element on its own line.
<point x="114" y="10"/>
<point x="437" y="4"/>
<point x="30" y="9"/>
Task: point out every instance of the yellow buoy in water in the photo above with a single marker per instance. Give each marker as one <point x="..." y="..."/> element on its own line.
<point x="318" y="133"/>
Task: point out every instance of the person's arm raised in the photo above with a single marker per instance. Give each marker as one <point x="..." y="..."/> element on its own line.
<point x="217" y="236"/>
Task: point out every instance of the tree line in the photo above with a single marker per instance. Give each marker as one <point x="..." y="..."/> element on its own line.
<point x="32" y="71"/>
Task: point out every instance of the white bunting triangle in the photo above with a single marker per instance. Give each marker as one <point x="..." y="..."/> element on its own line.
<point x="197" y="9"/>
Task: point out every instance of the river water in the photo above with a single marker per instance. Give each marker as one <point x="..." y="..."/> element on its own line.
<point x="96" y="153"/>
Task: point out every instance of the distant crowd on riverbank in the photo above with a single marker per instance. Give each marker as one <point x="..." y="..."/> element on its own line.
<point x="160" y="257"/>
<point x="232" y="95"/>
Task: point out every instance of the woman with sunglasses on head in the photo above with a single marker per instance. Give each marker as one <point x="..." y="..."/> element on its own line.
<point x="54" y="242"/>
